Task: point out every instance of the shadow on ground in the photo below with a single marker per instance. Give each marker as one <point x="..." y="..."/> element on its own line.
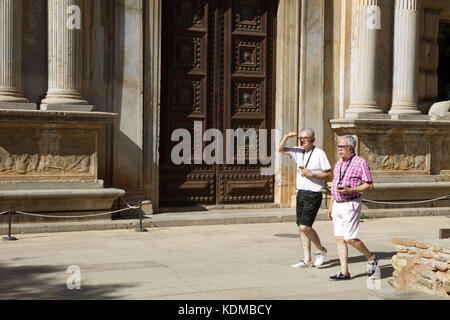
<point x="48" y="282"/>
<point x="385" y="271"/>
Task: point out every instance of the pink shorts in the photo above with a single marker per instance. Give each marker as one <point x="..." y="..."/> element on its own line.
<point x="346" y="218"/>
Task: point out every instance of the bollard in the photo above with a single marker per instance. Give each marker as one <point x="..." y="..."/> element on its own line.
<point x="9" y="238"/>
<point x="140" y="229"/>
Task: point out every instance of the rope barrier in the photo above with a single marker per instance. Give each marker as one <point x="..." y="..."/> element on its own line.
<point x="388" y="202"/>
<point x="412" y="202"/>
<point x="129" y="207"/>
<point x="64" y="217"/>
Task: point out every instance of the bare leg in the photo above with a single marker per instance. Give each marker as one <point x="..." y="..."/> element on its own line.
<point x="343" y="254"/>
<point x="306" y="245"/>
<point x="361" y="247"/>
<point x="308" y="234"/>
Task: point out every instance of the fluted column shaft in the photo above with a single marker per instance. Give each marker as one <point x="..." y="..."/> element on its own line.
<point x="363" y="49"/>
<point x="65" y="55"/>
<point x="404" y="88"/>
<point x="11" y="51"/>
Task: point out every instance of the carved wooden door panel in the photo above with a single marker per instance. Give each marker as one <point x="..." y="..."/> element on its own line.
<point x="185" y="99"/>
<point x="216" y="73"/>
<point x="247" y="93"/>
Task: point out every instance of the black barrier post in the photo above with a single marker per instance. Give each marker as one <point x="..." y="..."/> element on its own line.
<point x="140" y="229"/>
<point x="9" y="238"/>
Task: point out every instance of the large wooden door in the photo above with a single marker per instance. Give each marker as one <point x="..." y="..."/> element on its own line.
<point x="217" y="63"/>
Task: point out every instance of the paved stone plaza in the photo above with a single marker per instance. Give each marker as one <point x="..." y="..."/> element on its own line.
<point x="240" y="261"/>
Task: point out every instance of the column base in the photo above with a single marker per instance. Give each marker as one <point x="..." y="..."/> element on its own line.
<point x="404" y="109"/>
<point x="67" y="107"/>
<point x="18" y="105"/>
<point x="354" y="111"/>
<point x="10" y="97"/>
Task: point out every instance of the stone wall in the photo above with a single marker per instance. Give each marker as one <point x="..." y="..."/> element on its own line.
<point x="421" y="266"/>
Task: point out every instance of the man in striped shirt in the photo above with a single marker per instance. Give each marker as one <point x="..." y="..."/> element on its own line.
<point x="351" y="178"/>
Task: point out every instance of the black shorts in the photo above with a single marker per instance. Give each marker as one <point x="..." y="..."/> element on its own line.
<point x="308" y="205"/>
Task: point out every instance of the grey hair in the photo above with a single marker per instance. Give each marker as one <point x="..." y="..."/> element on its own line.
<point x="309" y="131"/>
<point x="351" y="141"/>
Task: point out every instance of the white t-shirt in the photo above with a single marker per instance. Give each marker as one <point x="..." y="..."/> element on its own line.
<point x="318" y="163"/>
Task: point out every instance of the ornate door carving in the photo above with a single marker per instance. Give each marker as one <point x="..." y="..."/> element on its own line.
<point x="217" y="71"/>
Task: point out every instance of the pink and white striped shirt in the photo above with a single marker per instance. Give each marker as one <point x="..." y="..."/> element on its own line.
<point x="358" y="173"/>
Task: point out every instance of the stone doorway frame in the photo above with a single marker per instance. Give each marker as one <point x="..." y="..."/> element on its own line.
<point x="290" y="95"/>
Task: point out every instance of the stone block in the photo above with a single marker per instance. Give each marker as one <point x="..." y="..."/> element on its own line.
<point x="426" y="255"/>
<point x="441" y="268"/>
<point x="440" y="257"/>
<point x="446" y="250"/>
<point x="422" y="245"/>
<point x="404" y="242"/>
<point x="430" y="24"/>
<point x="401" y="249"/>
<point x="429" y="266"/>
<point x="436" y="248"/>
<point x="147" y="207"/>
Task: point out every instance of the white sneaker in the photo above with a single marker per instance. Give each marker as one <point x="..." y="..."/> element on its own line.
<point x="320" y="257"/>
<point x="302" y="264"/>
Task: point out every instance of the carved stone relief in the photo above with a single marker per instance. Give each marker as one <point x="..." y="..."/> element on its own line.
<point x="46" y="155"/>
<point x="445" y="157"/>
<point x="384" y="155"/>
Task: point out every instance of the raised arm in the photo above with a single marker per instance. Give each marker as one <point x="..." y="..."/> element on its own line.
<point x="282" y="147"/>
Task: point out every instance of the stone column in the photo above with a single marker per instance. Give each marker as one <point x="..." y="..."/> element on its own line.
<point x="65" y="57"/>
<point x="287" y="93"/>
<point x="11" y="95"/>
<point x="363" y="49"/>
<point x="404" y="87"/>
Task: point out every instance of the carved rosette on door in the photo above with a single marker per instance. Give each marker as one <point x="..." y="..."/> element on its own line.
<point x="217" y="67"/>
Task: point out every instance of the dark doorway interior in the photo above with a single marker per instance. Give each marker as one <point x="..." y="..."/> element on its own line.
<point x="444" y="62"/>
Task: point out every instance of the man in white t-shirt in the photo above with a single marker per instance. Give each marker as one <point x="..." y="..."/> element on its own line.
<point x="313" y="170"/>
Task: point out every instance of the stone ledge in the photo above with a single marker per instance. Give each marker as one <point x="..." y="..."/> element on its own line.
<point x="18" y="106"/>
<point x="61" y="193"/>
<point x="67" y="107"/>
<point x="78" y="117"/>
<point x="59" y="200"/>
<point x="430" y="122"/>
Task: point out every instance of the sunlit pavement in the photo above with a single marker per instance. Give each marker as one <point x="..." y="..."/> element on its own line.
<point x="239" y="261"/>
